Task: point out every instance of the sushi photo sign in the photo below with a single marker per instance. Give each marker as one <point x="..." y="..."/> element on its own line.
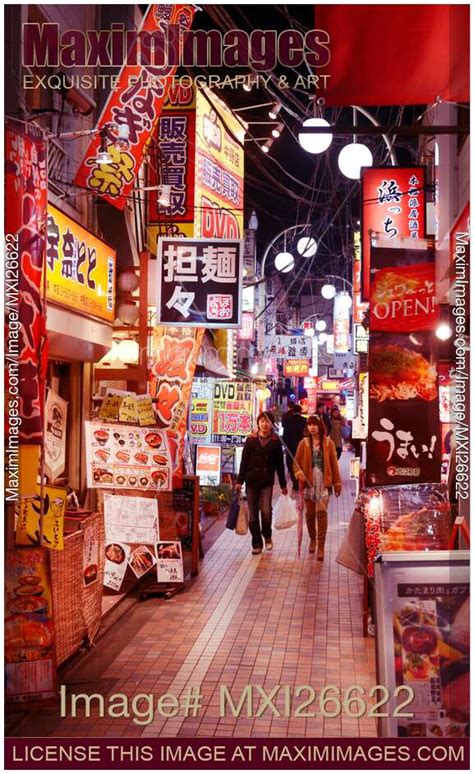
<point x="127" y="457"/>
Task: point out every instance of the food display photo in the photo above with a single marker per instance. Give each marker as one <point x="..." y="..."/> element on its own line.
<point x="127" y="457"/>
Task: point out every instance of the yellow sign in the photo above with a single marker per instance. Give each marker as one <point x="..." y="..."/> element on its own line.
<point x="219" y="198"/>
<point x="330" y="386"/>
<point x="29" y="508"/>
<point x="80" y="268"/>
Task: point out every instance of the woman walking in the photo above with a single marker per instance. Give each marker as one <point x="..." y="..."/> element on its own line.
<point x="336" y="433"/>
<point x="316" y="469"/>
<point x="262" y="457"/>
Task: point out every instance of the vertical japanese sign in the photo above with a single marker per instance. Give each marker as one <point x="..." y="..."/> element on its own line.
<point x="29" y="510"/>
<point x="25" y="224"/>
<point x="175" y="165"/>
<point x="80" y="268"/>
<point x="232" y="412"/>
<point x="247" y="330"/>
<point x="199" y="282"/>
<point x="173" y="363"/>
<point x="250" y="253"/>
<point x="341" y="323"/>
<point x="393" y="207"/>
<point x="30" y="659"/>
<point x="404" y="441"/>
<point x="55" y="435"/>
<point x="358" y="307"/>
<point x="219" y="184"/>
<point x="136" y="102"/>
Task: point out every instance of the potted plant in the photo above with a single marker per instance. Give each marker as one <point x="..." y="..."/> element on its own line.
<point x="215" y="498"/>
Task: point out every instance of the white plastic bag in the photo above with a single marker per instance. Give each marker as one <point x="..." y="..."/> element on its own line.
<point x="285" y="512"/>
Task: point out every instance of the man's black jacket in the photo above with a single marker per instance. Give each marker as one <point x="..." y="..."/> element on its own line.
<point x="260" y="462"/>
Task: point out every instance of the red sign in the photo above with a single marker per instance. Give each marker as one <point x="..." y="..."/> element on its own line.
<point x="296" y="367"/>
<point x="403" y="298"/>
<point x="393" y="207"/>
<point x="136" y="101"/>
<point x="25" y="228"/>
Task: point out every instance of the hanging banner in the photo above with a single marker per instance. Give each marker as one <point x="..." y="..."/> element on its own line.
<point x="360" y="424"/>
<point x="393" y="207"/>
<point x="199" y="282"/>
<point x="403" y="293"/>
<point x="341" y="323"/>
<point x="55" y="435"/>
<point x="136" y="102"/>
<point x="219" y="193"/>
<point x="247" y="330"/>
<point x="250" y="253"/>
<point x="174" y="153"/>
<point x="80" y="268"/>
<point x="25" y="226"/>
<point x="359" y="308"/>
<point x="173" y="363"/>
<point x="284" y="347"/>
<point x="232" y="412"/>
<point x="30" y="659"/>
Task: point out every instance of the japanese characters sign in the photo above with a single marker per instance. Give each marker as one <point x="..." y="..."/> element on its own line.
<point x="169" y="566"/>
<point x="80" y="268"/>
<point x="284" y="347"/>
<point x="404" y="443"/>
<point x="247" y="330"/>
<point x="25" y="226"/>
<point x="29" y="513"/>
<point x="175" y="142"/>
<point x="55" y="435"/>
<point x="90" y="554"/>
<point x="131" y="519"/>
<point x="359" y="308"/>
<point x="199" y="282"/>
<point x="30" y="658"/>
<point x="116" y="563"/>
<point x="393" y="207"/>
<point x="296" y="367"/>
<point x="232" y="412"/>
<point x="208" y="465"/>
<point x="174" y="355"/>
<point x="136" y="102"/>
<point x="199" y="420"/>
<point x="341" y="323"/>
<point x="402" y="290"/>
<point x="127" y="457"/>
<point x="219" y="194"/>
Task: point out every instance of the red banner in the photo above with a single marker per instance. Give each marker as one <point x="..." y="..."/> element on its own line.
<point x="136" y="102"/>
<point x="25" y="226"/>
<point x="175" y="352"/>
<point x="395" y="54"/>
<point x="393" y="207"/>
<point x="403" y="298"/>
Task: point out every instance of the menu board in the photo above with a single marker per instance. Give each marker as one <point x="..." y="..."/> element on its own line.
<point x="128" y="457"/>
<point x="414" y="517"/>
<point x="131" y="519"/>
<point x="422" y="637"/>
<point x="116" y="563"/>
<point x="30" y="660"/>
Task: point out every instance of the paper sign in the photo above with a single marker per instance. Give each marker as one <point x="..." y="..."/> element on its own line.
<point x="146" y="414"/>
<point x="90" y="554"/>
<point x="28" y="525"/>
<point x="131" y="519"/>
<point x="141" y="559"/>
<point x="169" y="562"/>
<point x="55" y="435"/>
<point x="116" y="555"/>
<point x="128" y="411"/>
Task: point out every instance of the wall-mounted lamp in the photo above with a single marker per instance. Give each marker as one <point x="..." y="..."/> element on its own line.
<point x="274" y="110"/>
<point x="268" y="145"/>
<point x="276" y="132"/>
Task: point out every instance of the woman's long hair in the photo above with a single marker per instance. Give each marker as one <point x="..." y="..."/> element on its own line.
<point x="315" y="419"/>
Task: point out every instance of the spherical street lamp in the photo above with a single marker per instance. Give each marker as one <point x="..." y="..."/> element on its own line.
<point x="322" y="338"/>
<point x="328" y="291"/>
<point x="321" y="325"/>
<point x="352" y="157"/>
<point x="443" y="332"/>
<point x="315" y="143"/>
<point x="345" y="300"/>
<point x="284" y="262"/>
<point x="307" y="246"/>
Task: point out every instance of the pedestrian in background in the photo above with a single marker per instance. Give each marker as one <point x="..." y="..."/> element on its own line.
<point x="323" y="414"/>
<point x="336" y="432"/>
<point x="294" y="425"/>
<point x="262" y="457"/>
<point x="317" y="469"/>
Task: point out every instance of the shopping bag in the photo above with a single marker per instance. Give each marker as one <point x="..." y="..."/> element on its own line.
<point x="346" y="432"/>
<point x="233" y="512"/>
<point x="242" y="526"/>
<point x="285" y="512"/>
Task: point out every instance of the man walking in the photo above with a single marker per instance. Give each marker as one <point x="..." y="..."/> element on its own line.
<point x="293" y="429"/>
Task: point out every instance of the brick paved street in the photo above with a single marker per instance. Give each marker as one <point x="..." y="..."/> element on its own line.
<point x="267" y="620"/>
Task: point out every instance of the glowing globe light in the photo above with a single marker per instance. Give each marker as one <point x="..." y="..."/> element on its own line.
<point x="307" y="246"/>
<point x="443" y="332"/>
<point x="328" y="291"/>
<point x="352" y="157"/>
<point x="315" y="143"/>
<point x="284" y="262"/>
<point x="345" y="300"/>
<point x="321" y="325"/>
<point x="322" y="338"/>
